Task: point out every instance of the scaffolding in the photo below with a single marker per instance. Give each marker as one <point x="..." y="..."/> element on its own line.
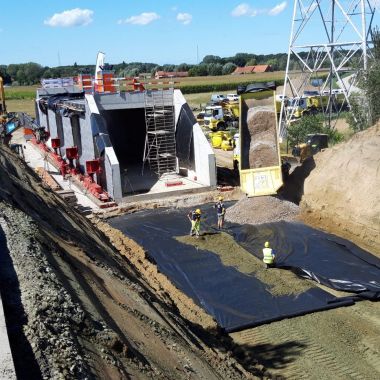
<point x="330" y="43"/>
<point x="160" y="146"/>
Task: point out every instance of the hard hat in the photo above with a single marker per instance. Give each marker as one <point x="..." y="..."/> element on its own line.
<point x="198" y="211"/>
<point x="266" y="244"/>
<point x="220" y="198"/>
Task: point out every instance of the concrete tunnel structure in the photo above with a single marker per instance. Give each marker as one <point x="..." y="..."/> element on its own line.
<point x="147" y="142"/>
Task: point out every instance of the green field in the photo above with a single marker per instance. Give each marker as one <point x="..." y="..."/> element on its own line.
<point x="234" y="79"/>
<point x="21" y="98"/>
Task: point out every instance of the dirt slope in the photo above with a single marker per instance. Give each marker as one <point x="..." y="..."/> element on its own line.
<point x="76" y="309"/>
<point x="342" y="193"/>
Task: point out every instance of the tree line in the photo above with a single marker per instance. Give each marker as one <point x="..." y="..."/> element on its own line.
<point x="31" y="73"/>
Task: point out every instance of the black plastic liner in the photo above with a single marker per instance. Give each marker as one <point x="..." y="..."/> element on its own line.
<point x="325" y="258"/>
<point x="238" y="300"/>
<point x="184" y="137"/>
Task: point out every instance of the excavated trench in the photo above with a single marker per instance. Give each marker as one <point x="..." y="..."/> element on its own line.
<point x="75" y="308"/>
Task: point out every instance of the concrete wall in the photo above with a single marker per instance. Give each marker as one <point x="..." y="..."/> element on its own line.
<point x="67" y="132"/>
<point x="112" y="169"/>
<point x="42" y="118"/>
<point x="88" y="150"/>
<point x="205" y="163"/>
<point x="178" y="100"/>
<point x="52" y="125"/>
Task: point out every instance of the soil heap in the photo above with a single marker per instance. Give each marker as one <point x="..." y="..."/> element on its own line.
<point x="257" y="210"/>
<point x="262" y="128"/>
<point x="261" y="145"/>
<point x="342" y="194"/>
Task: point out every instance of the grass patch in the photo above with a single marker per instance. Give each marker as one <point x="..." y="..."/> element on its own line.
<point x="20" y="92"/>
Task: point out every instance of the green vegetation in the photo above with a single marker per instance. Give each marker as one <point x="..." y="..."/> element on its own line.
<point x="366" y="108"/>
<point x="31" y="73"/>
<point x="20" y="92"/>
<point x="298" y="130"/>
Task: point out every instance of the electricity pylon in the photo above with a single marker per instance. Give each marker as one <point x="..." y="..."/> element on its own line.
<point x="330" y="42"/>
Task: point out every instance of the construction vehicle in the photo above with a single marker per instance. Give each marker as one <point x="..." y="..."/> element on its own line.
<point x="222" y="140"/>
<point x="314" y="143"/>
<point x="312" y="102"/>
<point x="9" y="122"/>
<point x="3" y="109"/>
<point x="223" y="116"/>
<point x="257" y="151"/>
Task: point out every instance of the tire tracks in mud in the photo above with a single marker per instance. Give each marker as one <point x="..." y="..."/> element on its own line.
<point x="326" y="345"/>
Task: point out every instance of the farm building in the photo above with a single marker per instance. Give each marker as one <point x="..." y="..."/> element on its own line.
<point x="252" y="69"/>
<point x="171" y="74"/>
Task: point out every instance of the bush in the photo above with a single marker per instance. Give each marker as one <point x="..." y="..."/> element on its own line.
<point x="366" y="108"/>
<point x="228" y="68"/>
<point x="298" y="131"/>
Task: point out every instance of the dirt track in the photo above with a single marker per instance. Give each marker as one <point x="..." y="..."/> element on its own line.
<point x="335" y="344"/>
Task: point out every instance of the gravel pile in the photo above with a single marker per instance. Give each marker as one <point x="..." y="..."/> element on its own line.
<point x="258" y="210"/>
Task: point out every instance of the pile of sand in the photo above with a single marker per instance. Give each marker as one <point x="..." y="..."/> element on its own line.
<point x="262" y="145"/>
<point x="342" y="195"/>
<point x="259" y="210"/>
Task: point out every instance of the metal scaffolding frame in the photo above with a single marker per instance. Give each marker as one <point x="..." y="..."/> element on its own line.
<point x="160" y="144"/>
<point x="339" y="33"/>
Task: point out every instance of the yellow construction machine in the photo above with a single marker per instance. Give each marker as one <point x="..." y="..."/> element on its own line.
<point x="3" y="109"/>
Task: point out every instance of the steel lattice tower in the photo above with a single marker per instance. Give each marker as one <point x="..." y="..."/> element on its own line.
<point x="330" y="41"/>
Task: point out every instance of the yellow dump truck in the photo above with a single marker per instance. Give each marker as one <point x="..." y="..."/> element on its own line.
<point x="259" y="160"/>
<point x="218" y="117"/>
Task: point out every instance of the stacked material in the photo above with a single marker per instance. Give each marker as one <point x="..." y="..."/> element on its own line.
<point x="68" y="196"/>
<point x="47" y="178"/>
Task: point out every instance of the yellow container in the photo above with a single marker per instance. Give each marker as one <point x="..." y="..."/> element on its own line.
<point x="256" y="181"/>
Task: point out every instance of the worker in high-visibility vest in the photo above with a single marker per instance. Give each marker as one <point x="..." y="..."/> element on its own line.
<point x="268" y="256"/>
<point x="195" y="219"/>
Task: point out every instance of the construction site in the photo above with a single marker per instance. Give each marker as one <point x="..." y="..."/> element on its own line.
<point x="100" y="278"/>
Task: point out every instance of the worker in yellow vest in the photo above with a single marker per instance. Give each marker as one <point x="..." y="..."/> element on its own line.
<point x="195" y="219"/>
<point x="268" y="256"/>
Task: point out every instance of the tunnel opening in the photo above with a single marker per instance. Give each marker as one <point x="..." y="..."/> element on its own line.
<point x="127" y="132"/>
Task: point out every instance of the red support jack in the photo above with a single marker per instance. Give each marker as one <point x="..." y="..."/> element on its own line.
<point x="56" y="145"/>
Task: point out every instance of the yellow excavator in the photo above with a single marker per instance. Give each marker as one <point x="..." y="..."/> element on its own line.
<point x="3" y="109"/>
<point x="9" y="122"/>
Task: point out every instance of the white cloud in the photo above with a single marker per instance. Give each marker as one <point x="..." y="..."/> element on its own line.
<point x="277" y="9"/>
<point x="185" y="18"/>
<point x="243" y="9"/>
<point x="144" y="18"/>
<point x="72" y="17"/>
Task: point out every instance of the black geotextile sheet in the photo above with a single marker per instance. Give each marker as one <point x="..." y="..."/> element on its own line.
<point x="238" y="300"/>
<point x="310" y="253"/>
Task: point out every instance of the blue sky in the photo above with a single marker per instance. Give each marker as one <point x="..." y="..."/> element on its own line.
<point x="161" y="31"/>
